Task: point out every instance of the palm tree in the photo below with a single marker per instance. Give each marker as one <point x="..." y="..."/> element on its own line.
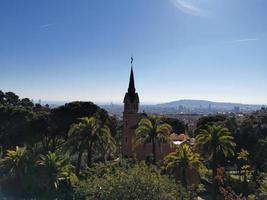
<point x="244" y="168"/>
<point x="263" y="189"/>
<point x="151" y="130"/>
<point x="85" y="135"/>
<point x="16" y="162"/>
<point x="106" y="144"/>
<point x="217" y="141"/>
<point x="54" y="168"/>
<point x="181" y="161"/>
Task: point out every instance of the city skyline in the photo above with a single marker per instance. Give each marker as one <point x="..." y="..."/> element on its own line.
<point x="65" y="51"/>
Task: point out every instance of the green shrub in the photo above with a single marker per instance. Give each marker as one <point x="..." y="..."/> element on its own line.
<point x="122" y="181"/>
<point x="24" y="174"/>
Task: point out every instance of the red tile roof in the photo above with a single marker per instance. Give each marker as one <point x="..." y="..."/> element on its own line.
<point x="181" y="137"/>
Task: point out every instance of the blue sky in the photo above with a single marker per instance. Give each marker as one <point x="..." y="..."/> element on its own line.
<point x="183" y="49"/>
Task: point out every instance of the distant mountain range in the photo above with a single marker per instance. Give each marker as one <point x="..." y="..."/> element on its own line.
<point x="203" y="104"/>
<point x="192" y="105"/>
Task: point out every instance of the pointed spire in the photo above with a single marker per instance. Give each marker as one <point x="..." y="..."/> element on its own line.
<point x="131" y="89"/>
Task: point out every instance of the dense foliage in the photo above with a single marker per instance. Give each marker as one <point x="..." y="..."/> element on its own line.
<point x="73" y="152"/>
<point x="152" y="130"/>
<point x="124" y="181"/>
<point x="183" y="163"/>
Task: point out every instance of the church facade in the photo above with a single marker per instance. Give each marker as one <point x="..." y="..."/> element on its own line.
<point x="131" y="118"/>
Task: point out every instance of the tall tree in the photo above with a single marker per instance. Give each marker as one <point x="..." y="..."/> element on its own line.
<point x="181" y="161"/>
<point x="26" y="102"/>
<point x="152" y="130"/>
<point x="2" y="97"/>
<point x="218" y="142"/>
<point x="63" y="117"/>
<point x="11" y="98"/>
<point x="209" y="120"/>
<point x="14" y="126"/>
<point x="178" y="126"/>
<point x="86" y="135"/>
<point x="244" y="168"/>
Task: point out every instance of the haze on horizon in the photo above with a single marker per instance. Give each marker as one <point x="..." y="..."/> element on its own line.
<point x="183" y="49"/>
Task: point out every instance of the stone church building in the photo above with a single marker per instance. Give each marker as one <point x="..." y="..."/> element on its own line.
<point x="131" y="118"/>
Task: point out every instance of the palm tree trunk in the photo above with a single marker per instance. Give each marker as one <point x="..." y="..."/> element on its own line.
<point x="214" y="174"/>
<point x="79" y="161"/>
<point x="89" y="154"/>
<point x="245" y="185"/>
<point x="184" y="181"/>
<point x="154" y="150"/>
<point x="214" y="183"/>
<point x="53" y="148"/>
<point x="44" y="145"/>
<point x="103" y="155"/>
<point x="240" y="174"/>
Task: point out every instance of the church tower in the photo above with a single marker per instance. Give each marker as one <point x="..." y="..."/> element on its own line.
<point x="130" y="116"/>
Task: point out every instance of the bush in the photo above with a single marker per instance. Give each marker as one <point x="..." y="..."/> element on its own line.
<point x="127" y="181"/>
<point x="24" y="174"/>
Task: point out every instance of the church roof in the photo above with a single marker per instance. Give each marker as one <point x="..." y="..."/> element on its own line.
<point x="181" y="137"/>
<point x="131" y="88"/>
<point x="131" y="94"/>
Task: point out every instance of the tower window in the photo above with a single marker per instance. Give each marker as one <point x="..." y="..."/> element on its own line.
<point x="126" y="123"/>
<point x="126" y="140"/>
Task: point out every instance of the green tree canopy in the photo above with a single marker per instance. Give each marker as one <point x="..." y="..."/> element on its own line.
<point x="177" y="125"/>
<point x="120" y="181"/>
<point x="152" y="130"/>
<point x="14" y="126"/>
<point x="11" y="98"/>
<point x="182" y="162"/>
<point x="15" y="163"/>
<point x="209" y="120"/>
<point x="64" y="116"/>
<point x="53" y="169"/>
<point x="217" y="142"/>
<point x="89" y="134"/>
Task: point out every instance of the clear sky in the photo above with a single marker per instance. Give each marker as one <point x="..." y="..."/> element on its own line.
<point x="183" y="49"/>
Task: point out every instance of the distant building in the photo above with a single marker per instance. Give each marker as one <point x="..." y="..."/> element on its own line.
<point x="180" y="108"/>
<point x="236" y="109"/>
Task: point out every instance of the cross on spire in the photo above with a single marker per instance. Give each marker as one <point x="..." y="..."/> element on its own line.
<point x="131" y="89"/>
<point x="132" y="59"/>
